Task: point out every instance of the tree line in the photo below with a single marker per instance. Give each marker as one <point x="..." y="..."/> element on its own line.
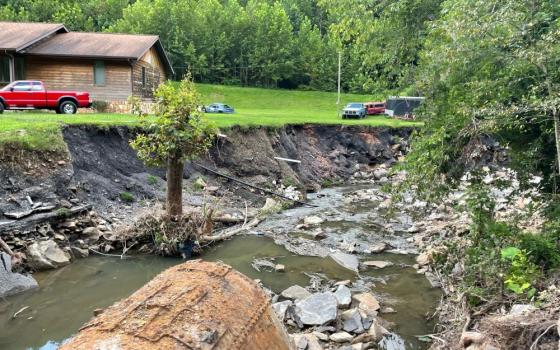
<point x="281" y="43"/>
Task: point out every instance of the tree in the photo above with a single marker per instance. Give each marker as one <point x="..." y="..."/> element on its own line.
<point x="177" y="133"/>
<point x="489" y="67"/>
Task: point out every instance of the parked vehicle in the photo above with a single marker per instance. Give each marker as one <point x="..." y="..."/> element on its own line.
<point x="25" y="94"/>
<point x="375" y="108"/>
<point x="354" y="110"/>
<point x="218" y="108"/>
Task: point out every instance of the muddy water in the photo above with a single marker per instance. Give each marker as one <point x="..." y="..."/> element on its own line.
<point x="67" y="297"/>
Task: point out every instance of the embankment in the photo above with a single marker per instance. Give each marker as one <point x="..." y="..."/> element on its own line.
<point x="100" y="177"/>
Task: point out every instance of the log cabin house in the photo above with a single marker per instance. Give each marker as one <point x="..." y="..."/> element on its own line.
<point x="111" y="67"/>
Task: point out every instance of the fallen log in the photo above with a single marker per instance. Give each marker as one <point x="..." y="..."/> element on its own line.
<point x="227" y="233"/>
<point x="55" y="216"/>
<point x="253" y="186"/>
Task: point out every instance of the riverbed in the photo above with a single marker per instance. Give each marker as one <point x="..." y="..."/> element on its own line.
<point x="68" y="296"/>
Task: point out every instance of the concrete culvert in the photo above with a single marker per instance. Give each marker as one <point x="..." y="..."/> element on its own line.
<point x="195" y="305"/>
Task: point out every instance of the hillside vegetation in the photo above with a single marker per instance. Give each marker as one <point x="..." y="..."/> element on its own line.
<point x="254" y="107"/>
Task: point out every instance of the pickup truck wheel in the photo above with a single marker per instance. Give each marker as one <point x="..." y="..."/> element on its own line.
<point x="68" y="107"/>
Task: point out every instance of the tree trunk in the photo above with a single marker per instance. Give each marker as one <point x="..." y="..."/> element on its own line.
<point x="556" y="118"/>
<point x="174" y="187"/>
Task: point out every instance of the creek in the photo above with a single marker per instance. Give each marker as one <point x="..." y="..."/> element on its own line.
<point x="68" y="296"/>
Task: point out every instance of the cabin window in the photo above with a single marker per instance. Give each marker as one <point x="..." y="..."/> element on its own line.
<point x="4" y="69"/>
<point x="143" y="76"/>
<point x="99" y="73"/>
<point x="19" y="68"/>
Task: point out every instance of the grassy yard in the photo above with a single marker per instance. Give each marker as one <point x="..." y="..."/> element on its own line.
<point x="253" y="107"/>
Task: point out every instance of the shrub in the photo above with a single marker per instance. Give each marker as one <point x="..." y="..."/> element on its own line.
<point x="100" y="106"/>
<point x="521" y="273"/>
<point x="152" y="180"/>
<point x="126" y="197"/>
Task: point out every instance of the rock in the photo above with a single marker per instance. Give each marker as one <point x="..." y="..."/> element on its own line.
<point x="13" y="283"/>
<point x="310" y="340"/>
<point x="79" y="253"/>
<point x="343" y="296"/>
<point x="521" y="309"/>
<point x="377" y="264"/>
<point x="18" y="214"/>
<point x="423" y="259"/>
<point x="433" y="279"/>
<point x="280" y="308"/>
<point x="378" y="248"/>
<point x="374" y="334"/>
<point x="388" y="310"/>
<point x="93" y="233"/>
<point x="320" y="336"/>
<point x="313" y="220"/>
<point x="348" y="261"/>
<point x="279" y="268"/>
<point x="341" y="337"/>
<point x="44" y="255"/>
<point x="295" y="292"/>
<point x="380" y="173"/>
<point x="377" y="331"/>
<point x="317" y="309"/>
<point x="65" y="204"/>
<point x="366" y="302"/>
<point x="352" y="321"/>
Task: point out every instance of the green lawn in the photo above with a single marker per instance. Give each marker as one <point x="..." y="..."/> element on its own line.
<point x="253" y="107"/>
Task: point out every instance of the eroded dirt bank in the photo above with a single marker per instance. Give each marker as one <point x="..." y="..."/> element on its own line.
<point x="75" y="200"/>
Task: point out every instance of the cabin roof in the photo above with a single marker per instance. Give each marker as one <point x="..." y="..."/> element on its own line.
<point x="15" y="36"/>
<point x="100" y="46"/>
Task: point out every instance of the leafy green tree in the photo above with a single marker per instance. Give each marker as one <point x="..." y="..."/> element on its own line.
<point x="177" y="133"/>
<point x="489" y="67"/>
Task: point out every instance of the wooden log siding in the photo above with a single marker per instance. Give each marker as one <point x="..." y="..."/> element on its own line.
<point x="77" y="74"/>
<point x="154" y="71"/>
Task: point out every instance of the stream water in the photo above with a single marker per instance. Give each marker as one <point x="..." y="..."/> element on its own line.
<point x="68" y="296"/>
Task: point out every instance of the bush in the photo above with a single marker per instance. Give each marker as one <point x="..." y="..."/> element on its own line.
<point x="152" y="180"/>
<point x="542" y="249"/>
<point x="126" y="197"/>
<point x="100" y="106"/>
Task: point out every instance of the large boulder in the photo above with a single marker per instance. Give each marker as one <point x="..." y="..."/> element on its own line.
<point x="45" y="255"/>
<point x="13" y="283"/>
<point x="317" y="309"/>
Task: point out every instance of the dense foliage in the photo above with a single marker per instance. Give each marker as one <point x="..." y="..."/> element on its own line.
<point x="489" y="67"/>
<point x="281" y="43"/>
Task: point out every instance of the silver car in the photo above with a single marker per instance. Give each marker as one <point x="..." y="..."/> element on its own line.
<point x="354" y="110"/>
<point x="218" y="108"/>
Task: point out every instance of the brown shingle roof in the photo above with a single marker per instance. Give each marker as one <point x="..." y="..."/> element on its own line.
<point x="16" y="36"/>
<point x="96" y="45"/>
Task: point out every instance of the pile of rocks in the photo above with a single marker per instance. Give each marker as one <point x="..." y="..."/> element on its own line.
<point x="338" y="317"/>
<point x="50" y="246"/>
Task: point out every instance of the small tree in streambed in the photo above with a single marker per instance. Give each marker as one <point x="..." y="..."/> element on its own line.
<point x="177" y="133"/>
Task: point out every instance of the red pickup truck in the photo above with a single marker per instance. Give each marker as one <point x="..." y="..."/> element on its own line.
<point x="27" y="94"/>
